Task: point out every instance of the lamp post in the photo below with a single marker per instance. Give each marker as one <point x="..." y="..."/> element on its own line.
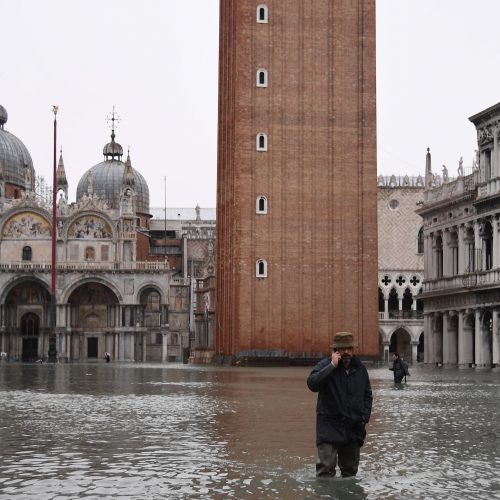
<point x="53" y="298"/>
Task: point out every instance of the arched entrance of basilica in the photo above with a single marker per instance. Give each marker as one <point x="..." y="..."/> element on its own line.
<point x="26" y="315"/>
<point x="30" y="331"/>
<point x="94" y="310"/>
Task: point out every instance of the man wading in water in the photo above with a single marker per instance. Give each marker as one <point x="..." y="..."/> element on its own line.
<point x="344" y="407"/>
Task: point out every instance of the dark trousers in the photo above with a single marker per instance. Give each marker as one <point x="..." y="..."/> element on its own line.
<point x="346" y="455"/>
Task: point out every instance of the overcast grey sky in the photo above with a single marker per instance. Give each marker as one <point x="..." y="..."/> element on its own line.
<point x="156" y="61"/>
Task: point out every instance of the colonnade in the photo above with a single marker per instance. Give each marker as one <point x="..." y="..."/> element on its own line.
<point x="467" y="337"/>
<point x="462" y="248"/>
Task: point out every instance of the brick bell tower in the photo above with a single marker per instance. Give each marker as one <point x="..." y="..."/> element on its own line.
<point x="296" y="186"/>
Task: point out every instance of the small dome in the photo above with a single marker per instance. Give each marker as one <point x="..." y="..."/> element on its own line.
<point x="14" y="156"/>
<point x="112" y="149"/>
<point x="107" y="184"/>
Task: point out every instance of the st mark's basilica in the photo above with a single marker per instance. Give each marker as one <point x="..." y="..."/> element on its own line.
<point x="120" y="288"/>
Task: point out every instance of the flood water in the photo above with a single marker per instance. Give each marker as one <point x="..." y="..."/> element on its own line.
<point x="177" y="431"/>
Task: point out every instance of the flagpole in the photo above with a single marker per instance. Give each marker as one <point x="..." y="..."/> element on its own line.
<point x="53" y="298"/>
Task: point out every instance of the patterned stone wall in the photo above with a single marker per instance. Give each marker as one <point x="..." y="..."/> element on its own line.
<point x="398" y="227"/>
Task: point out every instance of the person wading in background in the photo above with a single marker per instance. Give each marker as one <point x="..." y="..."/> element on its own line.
<point x="399" y="367"/>
<point x="343" y="409"/>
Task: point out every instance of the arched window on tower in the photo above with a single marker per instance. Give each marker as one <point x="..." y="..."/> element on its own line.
<point x="261" y="77"/>
<point x="262" y="14"/>
<point x="261" y="140"/>
<point x="27" y="253"/>
<point x="420" y="241"/>
<point x="261" y="205"/>
<point x="261" y="268"/>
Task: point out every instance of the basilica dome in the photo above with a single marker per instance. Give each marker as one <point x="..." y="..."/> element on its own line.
<point x="14" y="156"/>
<point x="107" y="180"/>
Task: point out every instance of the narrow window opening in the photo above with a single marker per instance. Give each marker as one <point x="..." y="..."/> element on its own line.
<point x="261" y="78"/>
<point x="262" y="14"/>
<point x="261" y="142"/>
<point x="27" y="253"/>
<point x="261" y="205"/>
<point x="261" y="269"/>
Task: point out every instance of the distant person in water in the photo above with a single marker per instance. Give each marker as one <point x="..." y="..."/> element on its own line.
<point x="343" y="409"/>
<point x="399" y="367"/>
<point x="107" y="357"/>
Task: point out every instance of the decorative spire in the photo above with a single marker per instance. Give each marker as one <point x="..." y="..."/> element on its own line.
<point x="113" y="149"/>
<point x="61" y="173"/>
<point x="128" y="173"/>
<point x="429" y="177"/>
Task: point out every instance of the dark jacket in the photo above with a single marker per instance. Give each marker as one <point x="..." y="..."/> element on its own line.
<point x="344" y="401"/>
<point x="398" y="369"/>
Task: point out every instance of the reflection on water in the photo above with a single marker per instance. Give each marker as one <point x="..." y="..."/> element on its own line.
<point x="151" y="431"/>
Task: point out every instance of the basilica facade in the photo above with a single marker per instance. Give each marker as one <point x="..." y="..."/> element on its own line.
<point x="116" y="288"/>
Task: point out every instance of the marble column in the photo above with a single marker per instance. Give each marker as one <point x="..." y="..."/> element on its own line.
<point x="477" y="248"/>
<point x="494" y="154"/>
<point x="428" y="269"/>
<point x="144" y="346"/>
<point x="447" y="254"/>
<point x="450" y="340"/>
<point x="121" y="346"/>
<point x="494" y="250"/>
<point x="495" y="339"/>
<point x="431" y="345"/>
<point x="461" y="249"/>
<point x="386" y="306"/>
<point x="477" y="337"/>
<point x="414" y="352"/>
<point x="164" y="347"/>
<point x="438" y="342"/>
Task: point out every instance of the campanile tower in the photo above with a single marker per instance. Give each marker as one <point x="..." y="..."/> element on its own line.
<point x="296" y="192"/>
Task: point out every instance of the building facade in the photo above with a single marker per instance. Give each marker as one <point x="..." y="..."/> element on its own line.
<point x="401" y="267"/>
<point x="296" y="195"/>
<point x="462" y="254"/>
<point x="114" y="293"/>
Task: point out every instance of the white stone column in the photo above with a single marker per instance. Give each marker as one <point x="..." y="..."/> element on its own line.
<point x="494" y="154"/>
<point x="494" y="250"/>
<point x="478" y="337"/>
<point x="431" y="345"/>
<point x="69" y="339"/>
<point x="477" y="248"/>
<point x="438" y="342"/>
<point x="461" y="249"/>
<point x="115" y="346"/>
<point x="486" y="354"/>
<point x="144" y="346"/>
<point x="386" y="307"/>
<point x="121" y="347"/>
<point x="446" y="339"/>
<point x="462" y="358"/>
<point x="427" y="336"/>
<point x="164" y="347"/>
<point x="429" y="271"/>
<point x="495" y="340"/>
<point x="447" y="253"/>
<point x="414" y="352"/>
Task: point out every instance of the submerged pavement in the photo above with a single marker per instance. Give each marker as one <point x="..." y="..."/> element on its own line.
<point x="156" y="431"/>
